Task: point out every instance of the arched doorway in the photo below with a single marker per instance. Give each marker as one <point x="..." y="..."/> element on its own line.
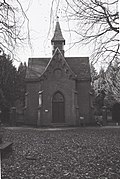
<point x="116" y="112"/>
<point x="58" y="108"/>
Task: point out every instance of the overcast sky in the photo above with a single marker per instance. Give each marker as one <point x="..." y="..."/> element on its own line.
<point x="40" y="24"/>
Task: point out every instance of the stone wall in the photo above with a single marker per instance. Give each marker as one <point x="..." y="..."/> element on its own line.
<point x="31" y="108"/>
<point x="83" y="88"/>
<point x="64" y="85"/>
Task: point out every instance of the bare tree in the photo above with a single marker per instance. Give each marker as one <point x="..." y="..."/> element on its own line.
<point x="96" y="24"/>
<point x="13" y="20"/>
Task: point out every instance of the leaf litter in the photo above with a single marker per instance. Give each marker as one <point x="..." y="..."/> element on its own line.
<point x="81" y="153"/>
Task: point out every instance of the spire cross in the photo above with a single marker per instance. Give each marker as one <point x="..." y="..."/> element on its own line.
<point x="57" y="18"/>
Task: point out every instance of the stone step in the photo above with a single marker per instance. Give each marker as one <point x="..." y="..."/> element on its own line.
<point x="112" y="124"/>
<point x="59" y="125"/>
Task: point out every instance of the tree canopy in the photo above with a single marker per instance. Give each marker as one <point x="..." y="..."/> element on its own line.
<point x="12" y="85"/>
<point x="7" y="81"/>
<point x="106" y="86"/>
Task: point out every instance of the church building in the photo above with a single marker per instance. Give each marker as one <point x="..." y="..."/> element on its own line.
<point x="58" y="88"/>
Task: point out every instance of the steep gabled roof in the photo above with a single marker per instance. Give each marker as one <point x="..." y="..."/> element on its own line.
<point x="58" y="34"/>
<point x="36" y="67"/>
<point x="78" y="65"/>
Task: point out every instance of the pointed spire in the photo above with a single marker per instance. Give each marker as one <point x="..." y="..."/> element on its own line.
<point x="58" y="34"/>
<point x="58" y="41"/>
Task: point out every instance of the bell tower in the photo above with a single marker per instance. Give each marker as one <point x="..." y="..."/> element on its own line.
<point x="58" y="41"/>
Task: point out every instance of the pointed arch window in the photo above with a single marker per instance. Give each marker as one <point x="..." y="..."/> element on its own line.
<point x="58" y="97"/>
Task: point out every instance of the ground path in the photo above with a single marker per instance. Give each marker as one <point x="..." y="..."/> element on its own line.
<point x="60" y="128"/>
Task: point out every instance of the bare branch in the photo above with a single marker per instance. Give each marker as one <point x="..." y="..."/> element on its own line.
<point x="12" y="20"/>
<point x="97" y="24"/>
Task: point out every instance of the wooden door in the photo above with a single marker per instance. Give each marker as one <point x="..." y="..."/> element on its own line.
<point x="58" y="108"/>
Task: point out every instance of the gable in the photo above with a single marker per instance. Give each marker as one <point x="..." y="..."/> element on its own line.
<point x="58" y="62"/>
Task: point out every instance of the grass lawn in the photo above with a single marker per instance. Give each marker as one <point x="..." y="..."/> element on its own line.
<point x="84" y="153"/>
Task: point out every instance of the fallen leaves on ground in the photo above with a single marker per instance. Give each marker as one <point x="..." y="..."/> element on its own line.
<point x="82" y="153"/>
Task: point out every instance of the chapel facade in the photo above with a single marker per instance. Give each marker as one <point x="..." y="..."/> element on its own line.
<point x="58" y="88"/>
